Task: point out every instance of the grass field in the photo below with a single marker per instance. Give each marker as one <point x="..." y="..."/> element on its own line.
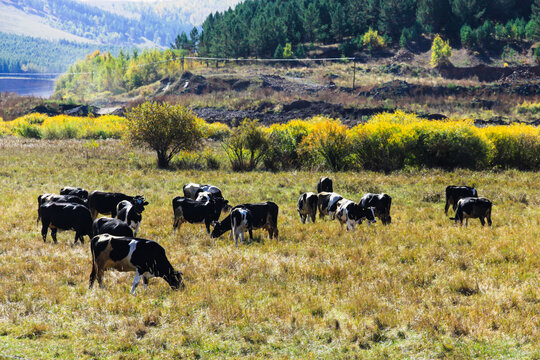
<point x="419" y="288"/>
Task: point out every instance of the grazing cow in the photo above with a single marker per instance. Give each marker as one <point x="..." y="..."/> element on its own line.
<point x="65" y="216"/>
<point x="195" y="212"/>
<point x="264" y="215"/>
<point x="307" y="207"/>
<point x="77" y="191"/>
<point x="454" y="193"/>
<point x="351" y="213"/>
<point x="101" y="202"/>
<point x="381" y="204"/>
<point x="473" y="207"/>
<point x="45" y="198"/>
<point x="131" y="213"/>
<point x="146" y="257"/>
<point x="111" y="226"/>
<point x="241" y="221"/>
<point x="328" y="202"/>
<point x="325" y="185"/>
<point x="191" y="190"/>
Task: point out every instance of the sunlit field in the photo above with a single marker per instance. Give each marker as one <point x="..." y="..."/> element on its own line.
<point x="418" y="288"/>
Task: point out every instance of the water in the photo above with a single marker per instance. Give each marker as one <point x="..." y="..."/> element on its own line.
<point x="28" y="84"/>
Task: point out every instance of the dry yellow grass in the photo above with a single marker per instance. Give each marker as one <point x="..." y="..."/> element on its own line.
<point x="419" y="288"/>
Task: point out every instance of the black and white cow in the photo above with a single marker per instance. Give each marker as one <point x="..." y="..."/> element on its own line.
<point x="100" y="202"/>
<point x="191" y="190"/>
<point x="454" y="193"/>
<point x="241" y="221"/>
<point x="325" y="185"/>
<point x="146" y="257"/>
<point x="264" y="215"/>
<point x="131" y="213"/>
<point x="195" y="212"/>
<point x="111" y="226"/>
<point x="71" y="199"/>
<point x="307" y="207"/>
<point x="328" y="203"/>
<point x="77" y="191"/>
<point x="381" y="203"/>
<point x="352" y="214"/>
<point x="65" y="216"/>
<point x="473" y="208"/>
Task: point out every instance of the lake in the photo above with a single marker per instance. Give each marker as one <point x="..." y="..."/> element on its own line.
<point x="28" y="84"/>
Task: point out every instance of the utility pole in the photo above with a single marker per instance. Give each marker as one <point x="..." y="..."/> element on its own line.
<point x="354" y="73"/>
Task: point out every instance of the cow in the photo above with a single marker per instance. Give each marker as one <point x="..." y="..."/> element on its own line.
<point x="241" y="221"/>
<point x="77" y="191"/>
<point x="454" y="193"/>
<point x="65" y="216"/>
<point x="194" y="212"/>
<point x="328" y="204"/>
<point x="473" y="207"/>
<point x="146" y="257"/>
<point x="191" y="190"/>
<point x="111" y="226"/>
<point x="351" y="213"/>
<point x="100" y="202"/>
<point x="325" y="185"/>
<point x="381" y="204"/>
<point x="307" y="207"/>
<point x="264" y="215"/>
<point x="131" y="213"/>
<point x="45" y="198"/>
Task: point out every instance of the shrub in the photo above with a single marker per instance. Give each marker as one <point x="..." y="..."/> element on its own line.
<point x="372" y="40"/>
<point x="246" y="146"/>
<point x="516" y="146"/>
<point x="214" y="131"/>
<point x="528" y="107"/>
<point x="440" y="52"/>
<point x="284" y="140"/>
<point x="467" y="36"/>
<point x="164" y="128"/>
<point x="287" y="51"/>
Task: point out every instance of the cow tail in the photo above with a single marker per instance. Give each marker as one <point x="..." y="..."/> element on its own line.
<point x="93" y="274"/>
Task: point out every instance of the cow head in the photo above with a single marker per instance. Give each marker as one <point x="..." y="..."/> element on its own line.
<point x="369" y="214"/>
<point x="220" y="228"/>
<point x="175" y="280"/>
<point x="139" y="203"/>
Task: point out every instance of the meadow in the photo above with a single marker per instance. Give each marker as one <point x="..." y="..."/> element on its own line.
<point x="419" y="288"/>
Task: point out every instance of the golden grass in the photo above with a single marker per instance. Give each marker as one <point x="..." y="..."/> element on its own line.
<point x="420" y="288"/>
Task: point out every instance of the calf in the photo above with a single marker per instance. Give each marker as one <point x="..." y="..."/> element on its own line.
<point x="351" y="213"/>
<point x="263" y="215"/>
<point x="473" y="207"/>
<point x="146" y="257"/>
<point x="65" y="216"/>
<point x="45" y="198"/>
<point x="381" y="204"/>
<point x="454" y="193"/>
<point x="111" y="226"/>
<point x="325" y="185"/>
<point x="131" y="213"/>
<point x="101" y="202"/>
<point x="328" y="202"/>
<point x="191" y="190"/>
<point x="77" y="191"/>
<point x="307" y="207"/>
<point x="193" y="212"/>
<point x="241" y="220"/>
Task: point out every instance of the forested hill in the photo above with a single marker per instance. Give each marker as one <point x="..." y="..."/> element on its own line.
<point x="259" y="27"/>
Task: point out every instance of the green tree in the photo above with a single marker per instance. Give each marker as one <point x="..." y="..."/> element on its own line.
<point x="533" y="27"/>
<point x="167" y="129"/>
<point x="440" y="52"/>
<point x="181" y="42"/>
<point x="467" y="36"/>
<point x="246" y="146"/>
<point x="396" y="15"/>
<point x="433" y="14"/>
<point x="278" y="53"/>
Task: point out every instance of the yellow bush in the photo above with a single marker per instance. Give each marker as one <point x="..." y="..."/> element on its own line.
<point x="372" y="40"/>
<point x="74" y="127"/>
<point x="216" y="130"/>
<point x="528" y="107"/>
<point x="515" y="146"/>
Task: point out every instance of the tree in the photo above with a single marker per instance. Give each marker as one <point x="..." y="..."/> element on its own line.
<point x="396" y="15"/>
<point x="533" y="27"/>
<point x="433" y="14"/>
<point x="194" y="37"/>
<point x="287" y="51"/>
<point x="181" y="42"/>
<point x="440" y="52"/>
<point x="279" y="52"/>
<point x="246" y="146"/>
<point x="164" y="128"/>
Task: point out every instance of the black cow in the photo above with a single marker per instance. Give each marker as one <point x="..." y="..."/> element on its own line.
<point x="101" y="202"/>
<point x="351" y="213"/>
<point x="111" y="226"/>
<point x="307" y="207"/>
<point x="45" y="198"/>
<point x="325" y="185"/>
<point x="65" y="216"/>
<point x="77" y="191"/>
<point x="473" y="207"/>
<point x="454" y="193"/>
<point x="195" y="212"/>
<point x="328" y="203"/>
<point x="264" y="215"/>
<point x="146" y="257"/>
<point x="191" y="190"/>
<point x="131" y="213"/>
<point x="241" y="221"/>
<point x="381" y="203"/>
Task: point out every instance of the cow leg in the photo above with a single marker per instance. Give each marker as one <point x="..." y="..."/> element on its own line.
<point x="482" y="221"/>
<point x="446" y="207"/>
<point x="467" y="222"/>
<point x="44" y="229"/>
<point x="176" y="225"/>
<point x="136" y="230"/>
<point x="302" y="219"/>
<point x="235" y="235"/>
<point x="92" y="276"/>
<point x="145" y="282"/>
<point x="207" y="224"/>
<point x="53" y="234"/>
<point x="76" y="238"/>
<point x="313" y="217"/>
<point x="242" y="236"/>
<point x="276" y="232"/>
<point x="250" y="230"/>
<point x="489" y="219"/>
<point x="94" y="213"/>
<point x="136" y="281"/>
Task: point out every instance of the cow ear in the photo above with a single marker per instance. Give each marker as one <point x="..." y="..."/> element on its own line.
<point x="145" y="203"/>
